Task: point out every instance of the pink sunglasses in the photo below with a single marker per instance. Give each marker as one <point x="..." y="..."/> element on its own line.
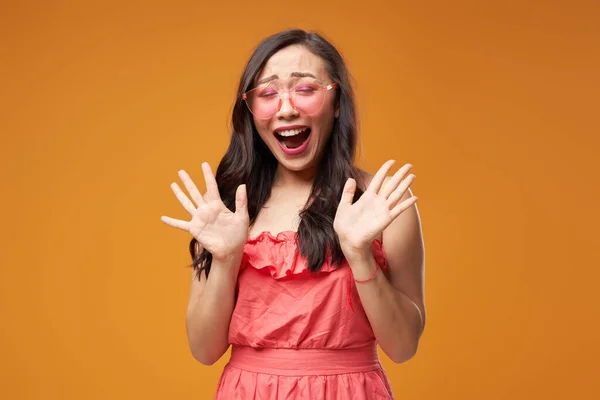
<point x="306" y="95"/>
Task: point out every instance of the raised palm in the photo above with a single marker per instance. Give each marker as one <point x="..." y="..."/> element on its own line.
<point x="358" y="224"/>
<point x="222" y="232"/>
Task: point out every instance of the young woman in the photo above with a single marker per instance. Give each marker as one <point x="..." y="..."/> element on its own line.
<point x="302" y="262"/>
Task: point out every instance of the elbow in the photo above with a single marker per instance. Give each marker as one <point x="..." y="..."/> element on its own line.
<point x="402" y="353"/>
<point x="405" y="349"/>
<point x="207" y="358"/>
<point x="402" y="356"/>
<point x="206" y="347"/>
<point x="206" y="350"/>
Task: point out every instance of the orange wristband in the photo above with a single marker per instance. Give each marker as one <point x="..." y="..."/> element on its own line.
<point x="369" y="278"/>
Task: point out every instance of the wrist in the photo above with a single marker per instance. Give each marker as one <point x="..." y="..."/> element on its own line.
<point x="225" y="272"/>
<point x="363" y="266"/>
<point x="354" y="254"/>
<point x="228" y="261"/>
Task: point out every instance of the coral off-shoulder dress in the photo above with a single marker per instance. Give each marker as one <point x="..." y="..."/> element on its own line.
<point x="297" y="334"/>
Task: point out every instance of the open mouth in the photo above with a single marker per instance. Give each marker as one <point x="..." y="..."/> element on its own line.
<point x="293" y="138"/>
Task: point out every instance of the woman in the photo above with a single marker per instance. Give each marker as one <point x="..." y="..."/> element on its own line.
<point x="305" y="307"/>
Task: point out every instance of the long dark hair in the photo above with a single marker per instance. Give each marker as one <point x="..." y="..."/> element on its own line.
<point x="248" y="160"/>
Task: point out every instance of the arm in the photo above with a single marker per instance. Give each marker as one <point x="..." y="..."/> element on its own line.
<point x="394" y="300"/>
<point x="209" y="311"/>
<point x="223" y="233"/>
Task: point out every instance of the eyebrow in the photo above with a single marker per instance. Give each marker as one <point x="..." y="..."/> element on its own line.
<point x="293" y="74"/>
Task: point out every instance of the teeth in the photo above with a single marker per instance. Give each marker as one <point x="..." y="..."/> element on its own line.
<point x="291" y="132"/>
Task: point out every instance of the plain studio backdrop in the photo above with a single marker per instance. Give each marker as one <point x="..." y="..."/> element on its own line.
<point x="495" y="103"/>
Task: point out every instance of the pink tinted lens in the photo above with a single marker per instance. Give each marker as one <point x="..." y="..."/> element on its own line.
<point x="308" y="97"/>
<point x="263" y="102"/>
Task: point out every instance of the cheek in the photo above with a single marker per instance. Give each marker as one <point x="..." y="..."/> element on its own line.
<point x="325" y="122"/>
<point x="263" y="129"/>
<point x="328" y="112"/>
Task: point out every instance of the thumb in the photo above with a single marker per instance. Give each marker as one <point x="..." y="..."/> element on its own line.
<point x="241" y="200"/>
<point x="348" y="192"/>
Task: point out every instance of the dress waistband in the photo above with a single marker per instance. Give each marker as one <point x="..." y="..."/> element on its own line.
<point x="292" y="362"/>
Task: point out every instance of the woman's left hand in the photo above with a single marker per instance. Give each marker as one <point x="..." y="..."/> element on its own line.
<point x="358" y="224"/>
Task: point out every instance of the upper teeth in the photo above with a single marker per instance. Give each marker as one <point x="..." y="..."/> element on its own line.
<point x="291" y="132"/>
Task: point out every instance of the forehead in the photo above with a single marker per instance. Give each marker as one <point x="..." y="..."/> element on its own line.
<point x="295" y="58"/>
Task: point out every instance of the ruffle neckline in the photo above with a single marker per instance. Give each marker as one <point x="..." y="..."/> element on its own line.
<point x="280" y="256"/>
<point x="280" y="237"/>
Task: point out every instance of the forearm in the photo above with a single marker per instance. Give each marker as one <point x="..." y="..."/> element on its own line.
<point x="209" y="315"/>
<point x="395" y="318"/>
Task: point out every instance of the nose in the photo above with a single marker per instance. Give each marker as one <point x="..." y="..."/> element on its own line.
<point x="286" y="108"/>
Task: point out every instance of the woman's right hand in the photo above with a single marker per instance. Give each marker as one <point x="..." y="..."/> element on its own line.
<point x="222" y="232"/>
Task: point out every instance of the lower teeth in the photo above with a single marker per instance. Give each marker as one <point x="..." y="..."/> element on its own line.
<point x="295" y="140"/>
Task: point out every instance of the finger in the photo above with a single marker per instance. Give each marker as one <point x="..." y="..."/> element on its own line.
<point x="241" y="200"/>
<point x="400" y="208"/>
<point x="212" y="189"/>
<point x="348" y="192"/>
<point x="393" y="183"/>
<point x="191" y="187"/>
<point x="176" y="223"/>
<point x="183" y="199"/>
<point x="379" y="177"/>
<point x="399" y="192"/>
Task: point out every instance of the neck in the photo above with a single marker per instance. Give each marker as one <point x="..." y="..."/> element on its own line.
<point x="298" y="179"/>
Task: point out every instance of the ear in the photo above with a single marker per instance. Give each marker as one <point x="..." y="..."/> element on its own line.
<point x="337" y="109"/>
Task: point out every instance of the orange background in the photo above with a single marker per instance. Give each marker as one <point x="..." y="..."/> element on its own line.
<point x="494" y="103"/>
